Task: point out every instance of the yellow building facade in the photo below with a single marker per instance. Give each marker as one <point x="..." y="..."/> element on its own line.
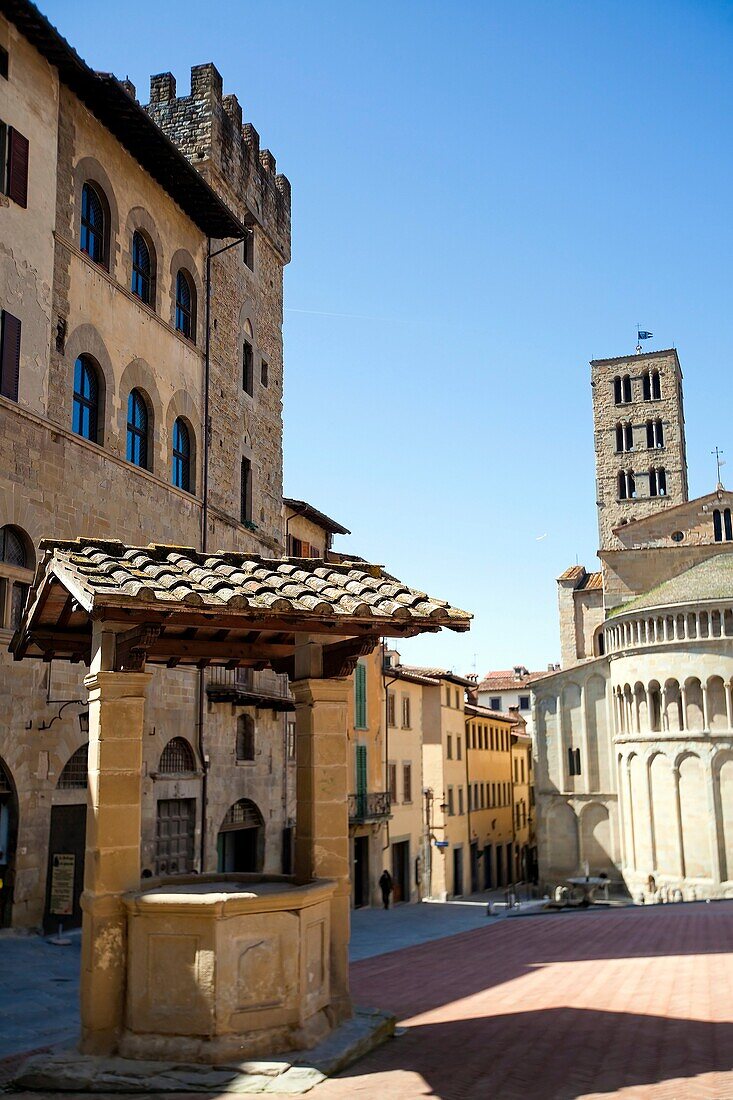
<point x="490" y="812"/>
<point x="405" y="851"/>
<point x="525" y="855"/>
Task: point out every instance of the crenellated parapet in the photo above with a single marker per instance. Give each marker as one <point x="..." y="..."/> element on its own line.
<point x="207" y="126"/>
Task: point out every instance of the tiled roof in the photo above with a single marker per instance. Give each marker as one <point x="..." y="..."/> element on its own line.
<point x="399" y="672"/>
<point x="708" y="580"/>
<point x="303" y="508"/>
<point x="474" y="710"/>
<point x="99" y="572"/>
<point x="591" y="581"/>
<point x="573" y="573"/>
<point x="438" y="674"/>
<point x="505" y="680"/>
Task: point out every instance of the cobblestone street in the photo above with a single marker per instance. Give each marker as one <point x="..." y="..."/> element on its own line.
<point x="630" y="1003"/>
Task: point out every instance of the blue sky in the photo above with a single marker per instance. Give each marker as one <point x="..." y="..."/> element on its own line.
<point x="485" y="197"/>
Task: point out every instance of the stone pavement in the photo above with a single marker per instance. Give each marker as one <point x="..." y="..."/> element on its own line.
<point x="635" y="1003"/>
<point x="39" y="985"/>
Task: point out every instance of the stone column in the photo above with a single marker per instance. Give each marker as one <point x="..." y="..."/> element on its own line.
<point x="322" y="824"/>
<point x="705" y="714"/>
<point x="729" y="704"/>
<point x="112" y="860"/>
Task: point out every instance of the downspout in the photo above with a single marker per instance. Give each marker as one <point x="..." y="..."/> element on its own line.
<point x="204" y="546"/>
<point x="468" y="800"/>
<point x="386" y="684"/>
<point x="205" y="523"/>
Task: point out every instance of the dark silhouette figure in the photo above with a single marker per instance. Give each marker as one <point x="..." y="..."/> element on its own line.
<point x="385" y="885"/>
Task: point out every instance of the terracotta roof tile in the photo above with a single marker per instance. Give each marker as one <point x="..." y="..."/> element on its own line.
<point x="108" y="571"/>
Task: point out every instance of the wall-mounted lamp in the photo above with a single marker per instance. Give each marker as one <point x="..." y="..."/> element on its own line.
<point x="84" y="721"/>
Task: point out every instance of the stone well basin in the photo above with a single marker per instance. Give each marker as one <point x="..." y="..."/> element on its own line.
<point x="225" y="967"/>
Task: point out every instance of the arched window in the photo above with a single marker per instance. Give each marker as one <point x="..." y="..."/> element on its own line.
<point x="722" y="525"/>
<point x="728" y="526"/>
<point x="16" y="574"/>
<point x="654" y="434"/>
<point x="656" y="386"/>
<point x="137" y="429"/>
<point x="93" y="232"/>
<point x="717" y="525"/>
<point x="626" y="485"/>
<point x="185" y="305"/>
<point x="74" y="774"/>
<point x="617" y="396"/>
<point x="653" y="482"/>
<point x="626" y="387"/>
<point x="177" y="757"/>
<point x="661" y="481"/>
<point x="85" y="415"/>
<point x="181" y="456"/>
<point x="646" y="387"/>
<point x="622" y="485"/>
<point x="245" y="749"/>
<point x="142" y="268"/>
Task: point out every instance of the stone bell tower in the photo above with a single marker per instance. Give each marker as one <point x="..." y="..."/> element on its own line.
<point x="639" y="429"/>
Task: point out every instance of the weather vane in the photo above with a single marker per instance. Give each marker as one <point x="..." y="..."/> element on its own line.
<point x="719" y="462"/>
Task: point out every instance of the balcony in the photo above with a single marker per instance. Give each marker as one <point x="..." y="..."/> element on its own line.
<point x="369" y="806"/>
<point x="250" y="688"/>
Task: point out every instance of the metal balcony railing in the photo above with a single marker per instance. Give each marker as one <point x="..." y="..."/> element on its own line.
<point x="369" y="805"/>
<point x="260" y="688"/>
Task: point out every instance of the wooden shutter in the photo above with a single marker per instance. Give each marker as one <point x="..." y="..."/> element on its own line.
<point x="361" y="769"/>
<point x="18" y="168"/>
<point x="9" y="356"/>
<point x="360" y="697"/>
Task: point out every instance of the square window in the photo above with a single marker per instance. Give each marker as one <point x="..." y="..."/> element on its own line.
<point x="495" y="702"/>
<point x="264" y="373"/>
<point x="524" y="702"/>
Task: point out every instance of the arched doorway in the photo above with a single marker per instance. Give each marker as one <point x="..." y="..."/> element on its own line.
<point x="8" y="839"/>
<point x="66" y="845"/>
<point x="241" y="840"/>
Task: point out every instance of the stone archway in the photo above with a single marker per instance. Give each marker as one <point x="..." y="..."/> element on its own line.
<point x="8" y="840"/>
<point x="596" y="845"/>
<point x="241" y="840"/>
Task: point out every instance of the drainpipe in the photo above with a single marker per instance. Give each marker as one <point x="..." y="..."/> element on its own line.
<point x="468" y="799"/>
<point x="205" y="524"/>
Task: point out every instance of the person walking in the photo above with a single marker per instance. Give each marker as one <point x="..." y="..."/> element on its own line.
<point x="385" y="885"/>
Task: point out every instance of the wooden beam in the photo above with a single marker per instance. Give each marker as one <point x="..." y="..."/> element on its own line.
<point x="132" y="647"/>
<point x="221" y="652"/>
<point x="340" y="658"/>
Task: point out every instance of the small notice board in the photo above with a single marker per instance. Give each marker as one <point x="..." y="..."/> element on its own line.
<point x="62" y="884"/>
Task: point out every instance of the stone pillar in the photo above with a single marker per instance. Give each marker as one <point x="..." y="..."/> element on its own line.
<point x="678" y="812"/>
<point x="683" y="708"/>
<point x="322" y="824"/>
<point x="112" y="860"/>
<point x="729" y="704"/>
<point x="705" y="714"/>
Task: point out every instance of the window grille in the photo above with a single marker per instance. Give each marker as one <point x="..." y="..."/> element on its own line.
<point x="74" y="775"/>
<point x="12" y="550"/>
<point x="177" y="756"/>
<point x="243" y="815"/>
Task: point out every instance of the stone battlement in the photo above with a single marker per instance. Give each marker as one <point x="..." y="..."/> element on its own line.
<point x="207" y="127"/>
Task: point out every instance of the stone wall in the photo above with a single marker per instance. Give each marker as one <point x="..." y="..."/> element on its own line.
<point x="55" y="484"/>
<point x="613" y="511"/>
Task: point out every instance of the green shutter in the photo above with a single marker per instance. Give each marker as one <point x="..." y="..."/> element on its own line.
<point x="360" y="701"/>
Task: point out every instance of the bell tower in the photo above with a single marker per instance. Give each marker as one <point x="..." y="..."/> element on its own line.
<point x="639" y="431"/>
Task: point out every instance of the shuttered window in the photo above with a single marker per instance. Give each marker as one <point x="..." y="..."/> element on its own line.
<point x="17" y="167"/>
<point x="9" y="355"/>
<point x="360" y="698"/>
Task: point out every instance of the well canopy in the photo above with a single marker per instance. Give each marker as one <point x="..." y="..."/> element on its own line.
<point x="184" y="607"/>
